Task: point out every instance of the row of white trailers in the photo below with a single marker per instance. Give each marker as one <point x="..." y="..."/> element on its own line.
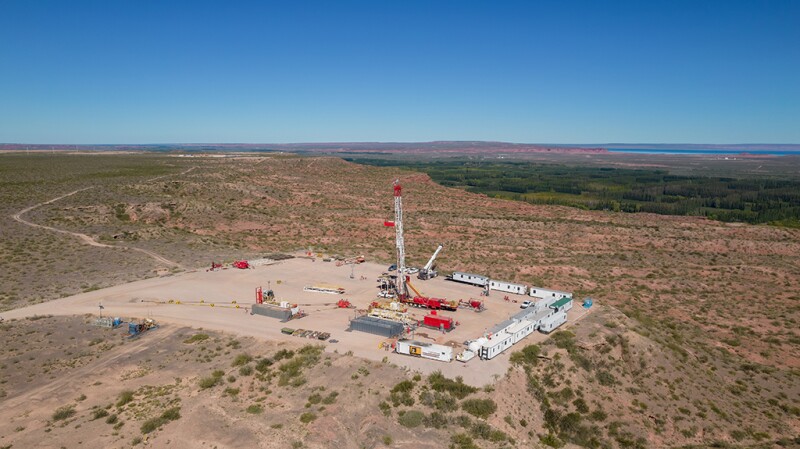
<point x="542" y="317"/>
<point x="509" y="287"/>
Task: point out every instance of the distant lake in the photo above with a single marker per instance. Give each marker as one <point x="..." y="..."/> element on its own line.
<point x="702" y="152"/>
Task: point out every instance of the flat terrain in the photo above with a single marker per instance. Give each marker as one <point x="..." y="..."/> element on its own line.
<point x="232" y="288"/>
<point x="694" y="342"/>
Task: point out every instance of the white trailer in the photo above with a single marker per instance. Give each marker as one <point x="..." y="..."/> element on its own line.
<point x="495" y="345"/>
<point x="539" y="316"/>
<point x="520" y="330"/>
<point x="425" y="350"/>
<point x="552" y="322"/>
<point x="546" y="293"/>
<point x="562" y="305"/>
<point x="469" y="278"/>
<point x="517" y="289"/>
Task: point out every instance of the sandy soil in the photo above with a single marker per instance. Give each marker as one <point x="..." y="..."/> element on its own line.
<point x="231" y="291"/>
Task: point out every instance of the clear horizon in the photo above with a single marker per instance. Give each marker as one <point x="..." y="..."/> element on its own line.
<point x="669" y="72"/>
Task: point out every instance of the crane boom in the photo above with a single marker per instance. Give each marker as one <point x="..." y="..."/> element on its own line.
<point x="427" y="272"/>
<point x="429" y="265"/>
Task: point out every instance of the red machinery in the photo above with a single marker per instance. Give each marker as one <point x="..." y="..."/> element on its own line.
<point x="345" y="304"/>
<point x="473" y="304"/>
<point x="215" y="266"/>
<point x="435" y="321"/>
<point x="431" y="303"/>
<point x="241" y="264"/>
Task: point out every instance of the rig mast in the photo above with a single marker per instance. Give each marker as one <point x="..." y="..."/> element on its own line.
<point x="401" y="247"/>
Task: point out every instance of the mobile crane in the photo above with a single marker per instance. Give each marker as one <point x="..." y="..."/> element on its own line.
<point x="427" y="272"/>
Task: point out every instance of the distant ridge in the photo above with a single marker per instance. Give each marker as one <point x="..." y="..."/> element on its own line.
<point x="440" y="147"/>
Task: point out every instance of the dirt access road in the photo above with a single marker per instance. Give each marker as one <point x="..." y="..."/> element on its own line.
<point x="88" y="239"/>
<point x="232" y="291"/>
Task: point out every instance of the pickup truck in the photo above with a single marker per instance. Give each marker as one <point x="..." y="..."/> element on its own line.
<point x="525" y="304"/>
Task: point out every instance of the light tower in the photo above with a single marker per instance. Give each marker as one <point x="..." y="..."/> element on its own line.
<point x="401" y="247"/>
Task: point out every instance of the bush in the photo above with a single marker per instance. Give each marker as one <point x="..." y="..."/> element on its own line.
<point x="124" y="397"/>
<point x="330" y="398"/>
<point x="112" y="419"/>
<point x="307" y="417"/>
<point x="440" y="401"/>
<point x="438" y="382"/>
<point x="154" y="423"/>
<point x="436" y="420"/>
<point x="411" y="418"/>
<point x="529" y="355"/>
<point x="99" y="413"/>
<point x="462" y="441"/>
<point x="387" y="440"/>
<point x="403" y="387"/>
<point x="605" y="378"/>
<point x="480" y="408"/>
<point x="283" y="354"/>
<point x="195" y="338"/>
<point x="263" y="365"/>
<point x="551" y="440"/>
<point x="255" y="409"/>
<point x="64" y="412"/>
<point x="246" y="370"/>
<point x="151" y="425"/>
<point x="208" y="382"/>
<point x="242" y="359"/>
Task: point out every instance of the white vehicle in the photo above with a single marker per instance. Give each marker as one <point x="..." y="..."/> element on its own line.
<point x="385" y="294"/>
<point x="412" y="270"/>
<point x="525" y="304"/>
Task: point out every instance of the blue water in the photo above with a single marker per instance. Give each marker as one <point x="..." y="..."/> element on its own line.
<point x="702" y="152"/>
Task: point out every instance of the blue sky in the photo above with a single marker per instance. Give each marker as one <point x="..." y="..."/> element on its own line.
<point x="535" y="72"/>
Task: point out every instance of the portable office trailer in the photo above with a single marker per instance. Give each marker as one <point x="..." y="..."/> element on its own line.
<point x="495" y="345"/>
<point x="545" y="293"/>
<point x="542" y="304"/>
<point x="552" y="322"/>
<point x="469" y="278"/>
<point x="502" y="286"/>
<point x="501" y="327"/>
<point x="425" y="350"/>
<point x="562" y="305"/>
<point x="377" y="326"/>
<point x="539" y="316"/>
<point x="520" y="330"/>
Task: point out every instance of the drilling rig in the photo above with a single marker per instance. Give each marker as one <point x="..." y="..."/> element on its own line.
<point x="401" y="247"/>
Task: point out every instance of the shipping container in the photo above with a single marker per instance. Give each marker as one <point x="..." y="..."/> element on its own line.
<point x="270" y="310"/>
<point x="425" y="350"/>
<point x="552" y="322"/>
<point x="469" y="278"/>
<point x="518" y="289"/>
<point x="377" y="326"/>
<point x="495" y="345"/>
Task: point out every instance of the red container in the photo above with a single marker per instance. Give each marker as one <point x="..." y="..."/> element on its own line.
<point x="438" y="322"/>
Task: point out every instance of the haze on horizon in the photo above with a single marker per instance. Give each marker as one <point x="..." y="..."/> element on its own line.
<point x="565" y="72"/>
